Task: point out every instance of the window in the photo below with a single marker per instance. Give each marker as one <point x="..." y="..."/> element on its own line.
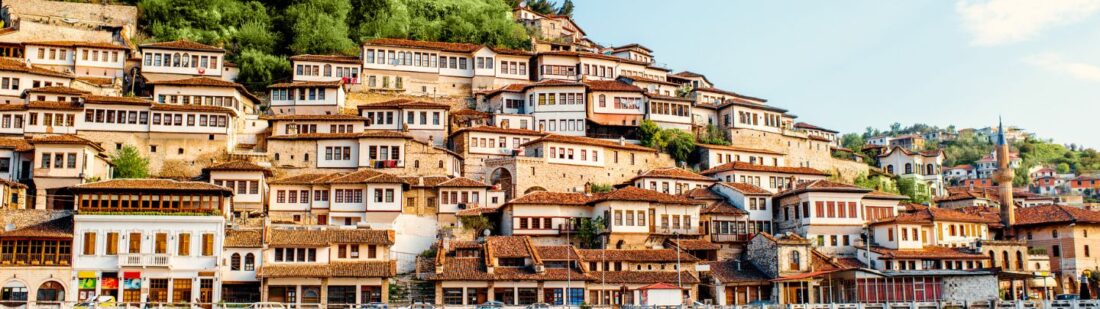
<point x="207" y="244"/>
<point x="89" y="243"/>
<point x="184" y="245"/>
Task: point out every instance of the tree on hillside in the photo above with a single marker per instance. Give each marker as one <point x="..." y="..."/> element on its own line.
<point x="678" y="144"/>
<point x="649" y="134"/>
<point x="566" y="8"/>
<point x="712" y="135"/>
<point x="852" y="141"/>
<point x="486" y="22"/>
<point x="541" y="6"/>
<point x="475" y="224"/>
<point x="129" y="163"/>
<point x="319" y="27"/>
<point x="259" y="69"/>
<point x="915" y="190"/>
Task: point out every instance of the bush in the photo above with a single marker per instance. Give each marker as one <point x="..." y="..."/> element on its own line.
<point x="129" y="163"/>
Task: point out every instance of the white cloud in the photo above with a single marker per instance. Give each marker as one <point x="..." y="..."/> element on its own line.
<point x="994" y="22"/>
<point x="1056" y="63"/>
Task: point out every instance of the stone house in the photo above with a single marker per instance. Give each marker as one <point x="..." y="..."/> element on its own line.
<point x="327" y="266"/>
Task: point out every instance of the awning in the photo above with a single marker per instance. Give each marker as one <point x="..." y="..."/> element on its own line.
<point x="131" y="275"/>
<point x="87" y="274"/>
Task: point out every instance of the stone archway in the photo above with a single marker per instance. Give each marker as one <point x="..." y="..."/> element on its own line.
<point x="14" y="293"/>
<point x="502" y="178"/>
<point x="534" y="189"/>
<point x="51" y="291"/>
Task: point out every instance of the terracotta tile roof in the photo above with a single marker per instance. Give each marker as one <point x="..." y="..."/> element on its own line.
<point x="990" y="214"/>
<point x="745" y="188"/>
<point x="807" y="126"/>
<point x="64" y="139"/>
<point x="553" y="83"/>
<point x="693" y="244"/>
<point x="823" y="186"/>
<point x="618" y="277"/>
<point x="476" y="210"/>
<point x="557" y="253"/>
<point x="462" y="182"/>
<point x="98" y="81"/>
<point x="367" y="134"/>
<point x="591" y="55"/>
<point x="192" y="108"/>
<point x="441" y="46"/>
<point x="55" y="105"/>
<point x="554" y="138"/>
<point x="746" y="166"/>
<point x="654" y="96"/>
<point x="14" y="65"/>
<point x="636" y="255"/>
<point x="673" y="173"/>
<point x="306" y="179"/>
<point x="152" y="184"/>
<point x="508" y="247"/>
<point x="36" y="223"/>
<point x="58" y="90"/>
<point x="552" y="198"/>
<point x="183" y="45"/>
<point x="1055" y="214"/>
<point x="77" y="44"/>
<point x="723" y="208"/>
<point x="328" y="236"/>
<point x="358" y="269"/>
<point x="788" y="238"/>
<point x="499" y="130"/>
<point x="610" y="85"/>
<point x="741" y="149"/>
<point x="424" y="181"/>
<point x="243" y="238"/>
<point x="98" y="99"/>
<point x="729" y="271"/>
<point x="314" y="117"/>
<point x="730" y="93"/>
<point x="928" y="252"/>
<point x="509" y="51"/>
<point x="238" y="166"/>
<point x="876" y="194"/>
<point x="327" y="58"/>
<point x="632" y="193"/>
<point x="17" y="144"/>
<point x="473" y="269"/>
<point x="702" y="194"/>
<point x="13" y="107"/>
<point x="366" y="176"/>
<point x="403" y="104"/>
<point x="198" y="81"/>
<point x="12" y="184"/>
<point x="301" y="84"/>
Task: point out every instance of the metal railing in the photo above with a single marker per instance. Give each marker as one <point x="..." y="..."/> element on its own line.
<point x="144" y="260"/>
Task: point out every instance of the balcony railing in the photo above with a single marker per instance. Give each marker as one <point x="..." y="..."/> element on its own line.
<point x="144" y="260"/>
<point x="666" y="230"/>
<point x="729" y="237"/>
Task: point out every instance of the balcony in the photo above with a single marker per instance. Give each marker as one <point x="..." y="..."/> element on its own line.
<point x="730" y="237"/>
<point x="144" y="260"/>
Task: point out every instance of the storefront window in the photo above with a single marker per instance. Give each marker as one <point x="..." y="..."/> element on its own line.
<point x="452" y="296"/>
<point x="13" y="294"/>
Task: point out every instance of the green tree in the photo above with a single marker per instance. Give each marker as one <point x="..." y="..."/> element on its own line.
<point x="1062" y="168"/>
<point x="475" y="224"/>
<point x="649" y="134"/>
<point x="588" y="232"/>
<point x="600" y="188"/>
<point x="258" y="70"/>
<point x="712" y="135"/>
<point x="678" y="144"/>
<point x="486" y="22"/>
<point x="319" y="27"/>
<point x="914" y="189"/>
<point x="129" y="163"/>
<point x="852" y="141"/>
<point x="541" y="6"/>
<point x="566" y="8"/>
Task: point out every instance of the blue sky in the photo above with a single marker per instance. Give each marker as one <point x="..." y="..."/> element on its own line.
<point x="847" y="65"/>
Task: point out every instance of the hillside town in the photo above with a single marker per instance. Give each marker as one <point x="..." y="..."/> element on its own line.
<point x="455" y="175"/>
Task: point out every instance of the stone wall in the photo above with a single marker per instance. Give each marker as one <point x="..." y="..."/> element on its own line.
<point x="534" y="173"/>
<point x="970" y="288"/>
<point x="421" y="159"/>
<point x="800" y="151"/>
<point x="761" y="252"/>
<point x="176" y="155"/>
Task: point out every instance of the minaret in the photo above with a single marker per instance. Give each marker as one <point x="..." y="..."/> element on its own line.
<point x="1004" y="176"/>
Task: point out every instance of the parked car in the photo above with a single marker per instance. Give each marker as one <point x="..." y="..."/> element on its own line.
<point x="422" y="306"/>
<point x="375" y="305"/>
<point x="267" y="305"/>
<point x="538" y="306"/>
<point x="491" y="305"/>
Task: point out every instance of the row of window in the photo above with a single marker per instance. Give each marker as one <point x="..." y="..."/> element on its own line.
<point x="315" y="70"/>
<point x="512" y="67"/>
<point x="340" y="196"/>
<point x="483" y="142"/>
<point x="410" y="118"/>
<point x="533" y="223"/>
<point x="12" y="83"/>
<point x="623" y="102"/>
<point x="398" y="82"/>
<point x="351" y="251"/>
<point x="302" y="94"/>
<point x="674" y="109"/>
<point x="486" y="63"/>
<point x="380" y="118"/>
<point x="598" y="70"/>
<point x="171" y="119"/>
<point x="295" y="255"/>
<point x="222" y="101"/>
<point x="160" y="243"/>
<point x="560" y="70"/>
<point x="834" y="240"/>
<point x="630" y="215"/>
<point x="59" y="160"/>
<point x="376" y="152"/>
<point x="240" y="186"/>
<point x="459" y="197"/>
<point x="559" y="98"/>
<point x="752" y="160"/>
<point x="568" y="154"/>
<point x="567" y="125"/>
<point x="178" y="60"/>
<point x="115" y="116"/>
<point x="337" y="153"/>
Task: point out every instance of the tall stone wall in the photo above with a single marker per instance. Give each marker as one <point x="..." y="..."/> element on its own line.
<point x="533" y="173"/>
<point x="970" y="288"/>
<point x="800" y="150"/>
<point x="176" y="155"/>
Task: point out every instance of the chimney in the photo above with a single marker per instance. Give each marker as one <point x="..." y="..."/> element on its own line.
<point x="622" y="141"/>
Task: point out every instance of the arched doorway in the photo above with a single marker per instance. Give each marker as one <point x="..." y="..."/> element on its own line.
<point x="502" y="178"/>
<point x="13" y="294"/>
<point x="51" y="291"/>
<point x="534" y="189"/>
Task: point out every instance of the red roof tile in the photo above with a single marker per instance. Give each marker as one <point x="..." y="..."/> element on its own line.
<point x="441" y="46"/>
<point x="610" y="85"/>
<point x="673" y="173"/>
<point x="745" y="188"/>
<point x="745" y="166"/>
<point x="403" y="104"/>
<point x="183" y="45"/>
<point x="327" y="58"/>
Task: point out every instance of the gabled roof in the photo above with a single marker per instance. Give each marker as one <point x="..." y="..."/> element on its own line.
<point x="58" y="90"/>
<point x="735" y="271"/>
<point x="328" y="236"/>
<point x="632" y="193"/>
<point x="235" y="238"/>
<point x="333" y="269"/>
<point x="636" y="255"/>
<point x="16" y="144"/>
<point x="1055" y="214"/>
<point x="203" y="81"/>
<point x="880" y="195"/>
<point x="183" y="45"/>
<point x="730" y="93"/>
<point x="14" y="65"/>
<point x="55" y="105"/>
<point x="787" y="238"/>
<point x="101" y="45"/>
<point x="673" y="173"/>
<point x="352" y="135"/>
<point x="403" y="104"/>
<point x="807" y="126"/>
<point x="551" y="198"/>
<point x="746" y="166"/>
<point x="741" y="149"/>
<point x="928" y="253"/>
<point x="746" y="188"/>
<point x="610" y="85"/>
<point x="238" y="166"/>
<point x="462" y="182"/>
<point x="499" y="130"/>
<point x="152" y="184"/>
<point x="65" y="139"/>
<point x="99" y="99"/>
<point x="317" y="117"/>
<point x="366" y="176"/>
<point x="36" y="223"/>
<point x="823" y="186"/>
<point x="306" y="179"/>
